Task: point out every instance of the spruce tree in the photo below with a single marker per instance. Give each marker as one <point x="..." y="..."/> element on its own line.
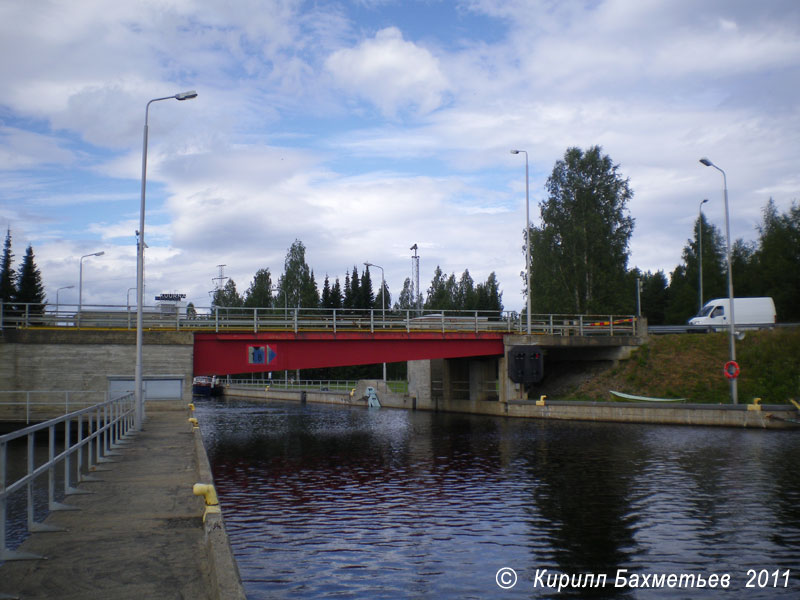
<point x="336" y="294"/>
<point x="8" y="278"/>
<point x="366" y="296"/>
<point x="326" y="293"/>
<point x="29" y="282"/>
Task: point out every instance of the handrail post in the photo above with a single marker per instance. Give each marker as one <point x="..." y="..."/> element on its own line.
<point x="334" y="320"/>
<point x="296" y="310"/>
<point x="580" y="325"/>
<point x="611" y="325"/>
<point x="476" y="321"/>
<point x="255" y="320"/>
<point x="372" y="320"/>
<point x="31" y="468"/>
<point x="216" y="319"/>
<point x="408" y="321"/>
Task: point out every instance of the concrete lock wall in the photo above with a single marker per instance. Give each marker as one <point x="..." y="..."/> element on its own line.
<point x="91" y="361"/>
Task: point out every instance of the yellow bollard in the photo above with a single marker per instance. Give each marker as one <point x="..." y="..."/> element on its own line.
<point x="756" y="405"/>
<point x="352" y="392"/>
<point x="193" y="421"/>
<point x="540" y="401"/>
<point x="210" y="494"/>
<point x="191" y="406"/>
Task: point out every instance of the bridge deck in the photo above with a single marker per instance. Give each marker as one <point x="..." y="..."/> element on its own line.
<point x="139" y="535"/>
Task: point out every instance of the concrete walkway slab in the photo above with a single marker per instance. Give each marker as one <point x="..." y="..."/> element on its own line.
<point x="139" y="535"/>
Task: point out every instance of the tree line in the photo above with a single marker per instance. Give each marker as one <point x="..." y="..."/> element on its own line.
<point x="297" y="287"/>
<point x="580" y="252"/>
<point x="23" y="285"/>
<point x="768" y="266"/>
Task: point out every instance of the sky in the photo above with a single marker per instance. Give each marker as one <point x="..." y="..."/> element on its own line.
<point x="364" y="127"/>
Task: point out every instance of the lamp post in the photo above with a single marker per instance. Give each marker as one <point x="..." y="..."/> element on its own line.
<point x="128" y="298"/>
<point x="700" y="253"/>
<point x="383" y="303"/>
<point x="140" y="246"/>
<point x="80" y="277"/>
<point x="732" y="320"/>
<point x="66" y="287"/>
<point x="285" y="301"/>
<point x="527" y="240"/>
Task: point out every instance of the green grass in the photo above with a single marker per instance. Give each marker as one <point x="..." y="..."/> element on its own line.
<point x="690" y="366"/>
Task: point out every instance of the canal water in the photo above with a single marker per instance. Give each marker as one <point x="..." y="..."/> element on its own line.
<point x="335" y="502"/>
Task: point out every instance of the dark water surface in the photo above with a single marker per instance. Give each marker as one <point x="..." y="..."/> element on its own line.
<point x="335" y="502"/>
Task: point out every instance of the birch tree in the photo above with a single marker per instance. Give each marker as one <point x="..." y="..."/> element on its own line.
<point x="579" y="254"/>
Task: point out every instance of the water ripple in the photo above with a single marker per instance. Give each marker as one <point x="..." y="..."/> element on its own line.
<point x="325" y="502"/>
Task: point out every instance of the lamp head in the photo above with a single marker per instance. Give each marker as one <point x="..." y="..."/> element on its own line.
<point x="704" y="201"/>
<point x="706" y="162"/>
<point x="186" y="95"/>
<point x="99" y="253"/>
<point x="515" y="152"/>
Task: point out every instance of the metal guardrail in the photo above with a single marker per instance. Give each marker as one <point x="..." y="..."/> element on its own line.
<point x="38" y="399"/>
<point x="296" y="319"/>
<point x="99" y="429"/>
<point x="322" y="385"/>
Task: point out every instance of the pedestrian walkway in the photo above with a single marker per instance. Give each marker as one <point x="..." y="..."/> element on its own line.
<point x="139" y="535"/>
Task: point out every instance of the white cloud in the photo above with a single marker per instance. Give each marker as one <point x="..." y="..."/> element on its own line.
<point x="21" y="149"/>
<point x="392" y="73"/>
<point x="283" y="141"/>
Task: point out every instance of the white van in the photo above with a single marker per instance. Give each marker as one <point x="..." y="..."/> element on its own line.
<point x="748" y="312"/>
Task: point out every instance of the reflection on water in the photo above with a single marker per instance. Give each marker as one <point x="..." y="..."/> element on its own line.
<point x="323" y="501"/>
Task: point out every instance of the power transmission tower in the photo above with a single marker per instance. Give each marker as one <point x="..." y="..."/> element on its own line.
<point x="219" y="281"/>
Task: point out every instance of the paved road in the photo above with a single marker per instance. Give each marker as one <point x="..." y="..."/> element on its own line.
<point x="139" y="536"/>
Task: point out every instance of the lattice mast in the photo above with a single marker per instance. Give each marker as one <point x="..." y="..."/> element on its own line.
<point x="219" y="280"/>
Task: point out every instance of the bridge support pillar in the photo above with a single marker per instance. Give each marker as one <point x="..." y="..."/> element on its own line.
<point x="437" y="384"/>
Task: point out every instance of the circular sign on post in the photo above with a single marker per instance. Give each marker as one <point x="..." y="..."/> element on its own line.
<point x="731" y="369"/>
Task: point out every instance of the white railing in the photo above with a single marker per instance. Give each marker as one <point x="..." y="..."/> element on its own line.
<point x="97" y="430"/>
<point x="309" y="319"/>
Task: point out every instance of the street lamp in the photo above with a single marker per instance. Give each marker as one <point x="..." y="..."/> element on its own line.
<point x="139" y="414"/>
<point x="732" y="324"/>
<point x="700" y="252"/>
<point x="527" y="238"/>
<point x="285" y="301"/>
<point x="66" y="287"/>
<point x="80" y="277"/>
<point x="128" y="297"/>
<point x="383" y="303"/>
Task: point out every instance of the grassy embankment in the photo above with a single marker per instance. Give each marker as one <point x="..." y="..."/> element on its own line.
<point x="690" y="366"/>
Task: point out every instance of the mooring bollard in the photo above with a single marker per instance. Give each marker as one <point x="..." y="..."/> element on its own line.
<point x="210" y="495"/>
<point x="193" y="421"/>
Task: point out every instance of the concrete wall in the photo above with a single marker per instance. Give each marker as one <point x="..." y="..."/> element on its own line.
<point x="387" y="398"/>
<point x="767" y="417"/>
<point x="82" y="360"/>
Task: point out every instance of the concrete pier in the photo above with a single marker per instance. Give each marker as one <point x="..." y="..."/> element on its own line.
<point x="780" y="416"/>
<point x="140" y="534"/>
